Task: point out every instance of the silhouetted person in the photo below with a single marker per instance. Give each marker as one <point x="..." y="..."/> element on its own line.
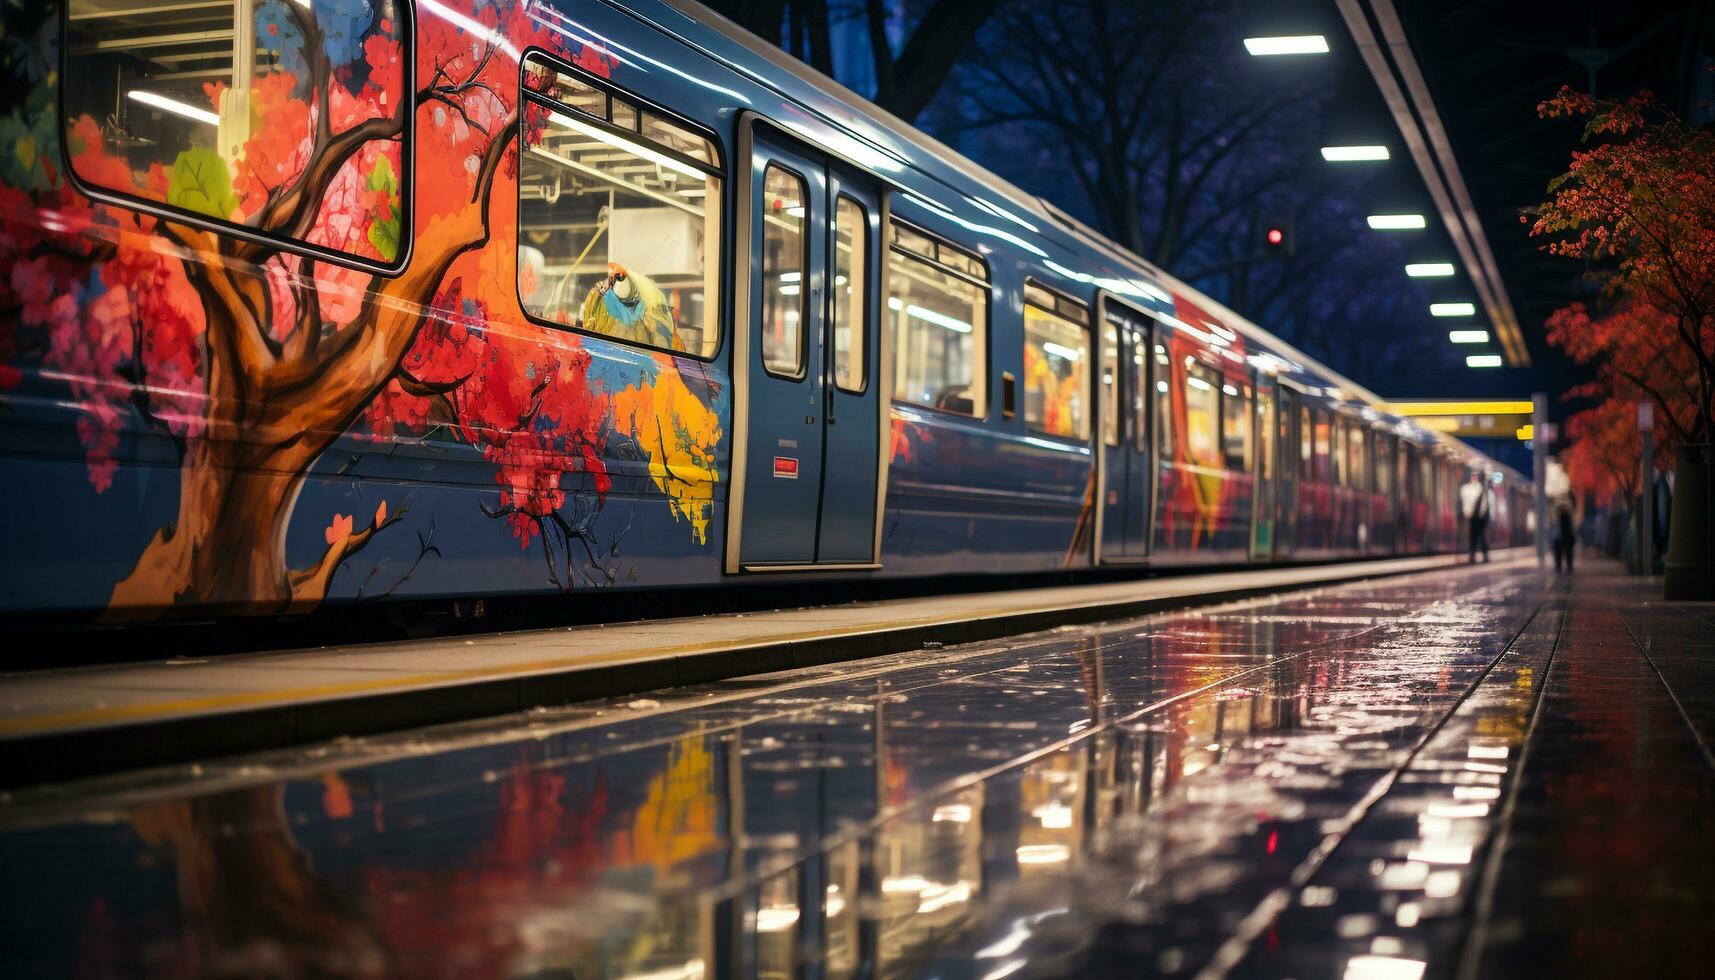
<point x="1477" y="503"/>
<point x="1565" y="539"/>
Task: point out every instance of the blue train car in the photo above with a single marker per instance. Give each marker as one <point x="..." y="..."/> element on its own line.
<point x="353" y="300"/>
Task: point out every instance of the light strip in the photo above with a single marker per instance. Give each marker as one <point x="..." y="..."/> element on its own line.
<point x="175" y="107"/>
<point x="1452" y="309"/>
<point x="1351" y="154"/>
<point x="620" y="143"/>
<point x="1064" y="353"/>
<point x="1483" y="360"/>
<point x="1263" y="47"/>
<point x="1468" y="336"/>
<point x="1429" y="270"/>
<point x="1415" y="409"/>
<point x="938" y="319"/>
<point x="1395" y="222"/>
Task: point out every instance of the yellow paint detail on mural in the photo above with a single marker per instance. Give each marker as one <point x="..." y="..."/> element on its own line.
<point x="680" y="435"/>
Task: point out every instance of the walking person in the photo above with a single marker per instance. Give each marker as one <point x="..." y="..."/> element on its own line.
<point x="1565" y="539"/>
<point x="1477" y="503"/>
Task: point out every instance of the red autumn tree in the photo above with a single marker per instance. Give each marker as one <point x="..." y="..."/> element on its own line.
<point x="1602" y="459"/>
<point x="1640" y="206"/>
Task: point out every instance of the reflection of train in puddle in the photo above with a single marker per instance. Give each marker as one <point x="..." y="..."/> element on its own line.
<point x="859" y="840"/>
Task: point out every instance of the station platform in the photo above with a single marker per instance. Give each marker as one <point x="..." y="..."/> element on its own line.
<point x="57" y="724"/>
<point x="1472" y="772"/>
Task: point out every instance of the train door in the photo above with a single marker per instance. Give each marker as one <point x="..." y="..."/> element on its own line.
<point x="1263" y="511"/>
<point x="1285" y="472"/>
<point x="1126" y="447"/>
<point x="809" y="431"/>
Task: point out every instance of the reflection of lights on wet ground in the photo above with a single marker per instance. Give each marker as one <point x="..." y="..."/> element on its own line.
<point x="1053" y="816"/>
<point x="1044" y="854"/>
<point x="1457" y="811"/>
<point x="776" y="918"/>
<point x="1372" y="967"/>
<point x="938" y="896"/>
<point x="690" y="970"/>
<point x="952" y="813"/>
<point x="1487" y="752"/>
<point x="1005" y="969"/>
<point x="1476" y="793"/>
<point x="1438" y="852"/>
<point x="1442" y="884"/>
<point x="904" y="884"/>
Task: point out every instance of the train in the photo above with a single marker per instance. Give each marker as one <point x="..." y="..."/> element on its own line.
<point x="311" y="303"/>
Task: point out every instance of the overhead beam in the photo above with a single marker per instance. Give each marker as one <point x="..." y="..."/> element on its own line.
<point x="1433" y="155"/>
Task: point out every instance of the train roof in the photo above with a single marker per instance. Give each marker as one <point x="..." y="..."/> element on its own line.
<point x="903" y="143"/>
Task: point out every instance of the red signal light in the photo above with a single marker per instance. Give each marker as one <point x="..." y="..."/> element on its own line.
<point x="1276" y="236"/>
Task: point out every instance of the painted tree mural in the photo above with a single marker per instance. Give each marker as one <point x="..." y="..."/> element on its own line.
<point x="253" y="358"/>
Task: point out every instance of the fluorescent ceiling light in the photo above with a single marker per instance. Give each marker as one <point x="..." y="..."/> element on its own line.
<point x="1293" y="44"/>
<point x="621" y="143"/>
<point x="1468" y="336"/>
<point x="938" y="319"/>
<point x="175" y="107"/>
<point x="1452" y="309"/>
<point x="1064" y="353"/>
<point x="1483" y="360"/>
<point x="1392" y="222"/>
<point x="1347" y="154"/>
<point x="1429" y="270"/>
<point x="1199" y="383"/>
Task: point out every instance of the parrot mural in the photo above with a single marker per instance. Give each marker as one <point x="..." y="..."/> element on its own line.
<point x="630" y="306"/>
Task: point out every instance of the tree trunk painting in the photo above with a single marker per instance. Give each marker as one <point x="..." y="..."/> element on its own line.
<point x="253" y="356"/>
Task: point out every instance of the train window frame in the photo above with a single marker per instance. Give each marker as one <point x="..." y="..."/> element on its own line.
<point x="802" y="369"/>
<point x="1242" y="392"/>
<point x="642" y="108"/>
<point x="1060" y="306"/>
<point x="245" y="233"/>
<point x="982" y="280"/>
<point x="1321" y="445"/>
<point x="866" y="282"/>
<point x="1203" y="377"/>
<point x="1110" y="382"/>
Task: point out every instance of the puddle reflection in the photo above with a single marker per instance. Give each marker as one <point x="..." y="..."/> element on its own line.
<point x="1022" y="813"/>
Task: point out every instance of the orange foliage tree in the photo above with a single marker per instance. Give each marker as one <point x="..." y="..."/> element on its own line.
<point x="1640" y="205"/>
<point x="252" y="356"/>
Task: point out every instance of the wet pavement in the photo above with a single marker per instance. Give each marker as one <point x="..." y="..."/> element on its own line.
<point x="1480" y="772"/>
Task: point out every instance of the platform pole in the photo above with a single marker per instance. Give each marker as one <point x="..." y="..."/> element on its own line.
<point x="1646" y="511"/>
<point x="1539" y="471"/>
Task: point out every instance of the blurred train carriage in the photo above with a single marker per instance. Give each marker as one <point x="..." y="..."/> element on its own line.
<point x="319" y="302"/>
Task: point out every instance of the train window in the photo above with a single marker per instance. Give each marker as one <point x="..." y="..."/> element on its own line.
<point x="1265" y="443"/>
<point x="1163" y="402"/>
<point x="1110" y="384"/>
<point x="1324" y="437"/>
<point x="1306" y="433"/>
<point x="1202" y="414"/>
<point x="940" y="325"/>
<point x="1056" y="373"/>
<point x="215" y="111"/>
<point x="619" y="213"/>
<point x="1140" y="390"/>
<point x="851" y="284"/>
<point x="1357" y="459"/>
<point x="1236" y="425"/>
<point x="1384" y="465"/>
<point x="1337" y="450"/>
<point x="782" y="203"/>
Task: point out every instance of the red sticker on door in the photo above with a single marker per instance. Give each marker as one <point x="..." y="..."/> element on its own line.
<point x="785" y="468"/>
